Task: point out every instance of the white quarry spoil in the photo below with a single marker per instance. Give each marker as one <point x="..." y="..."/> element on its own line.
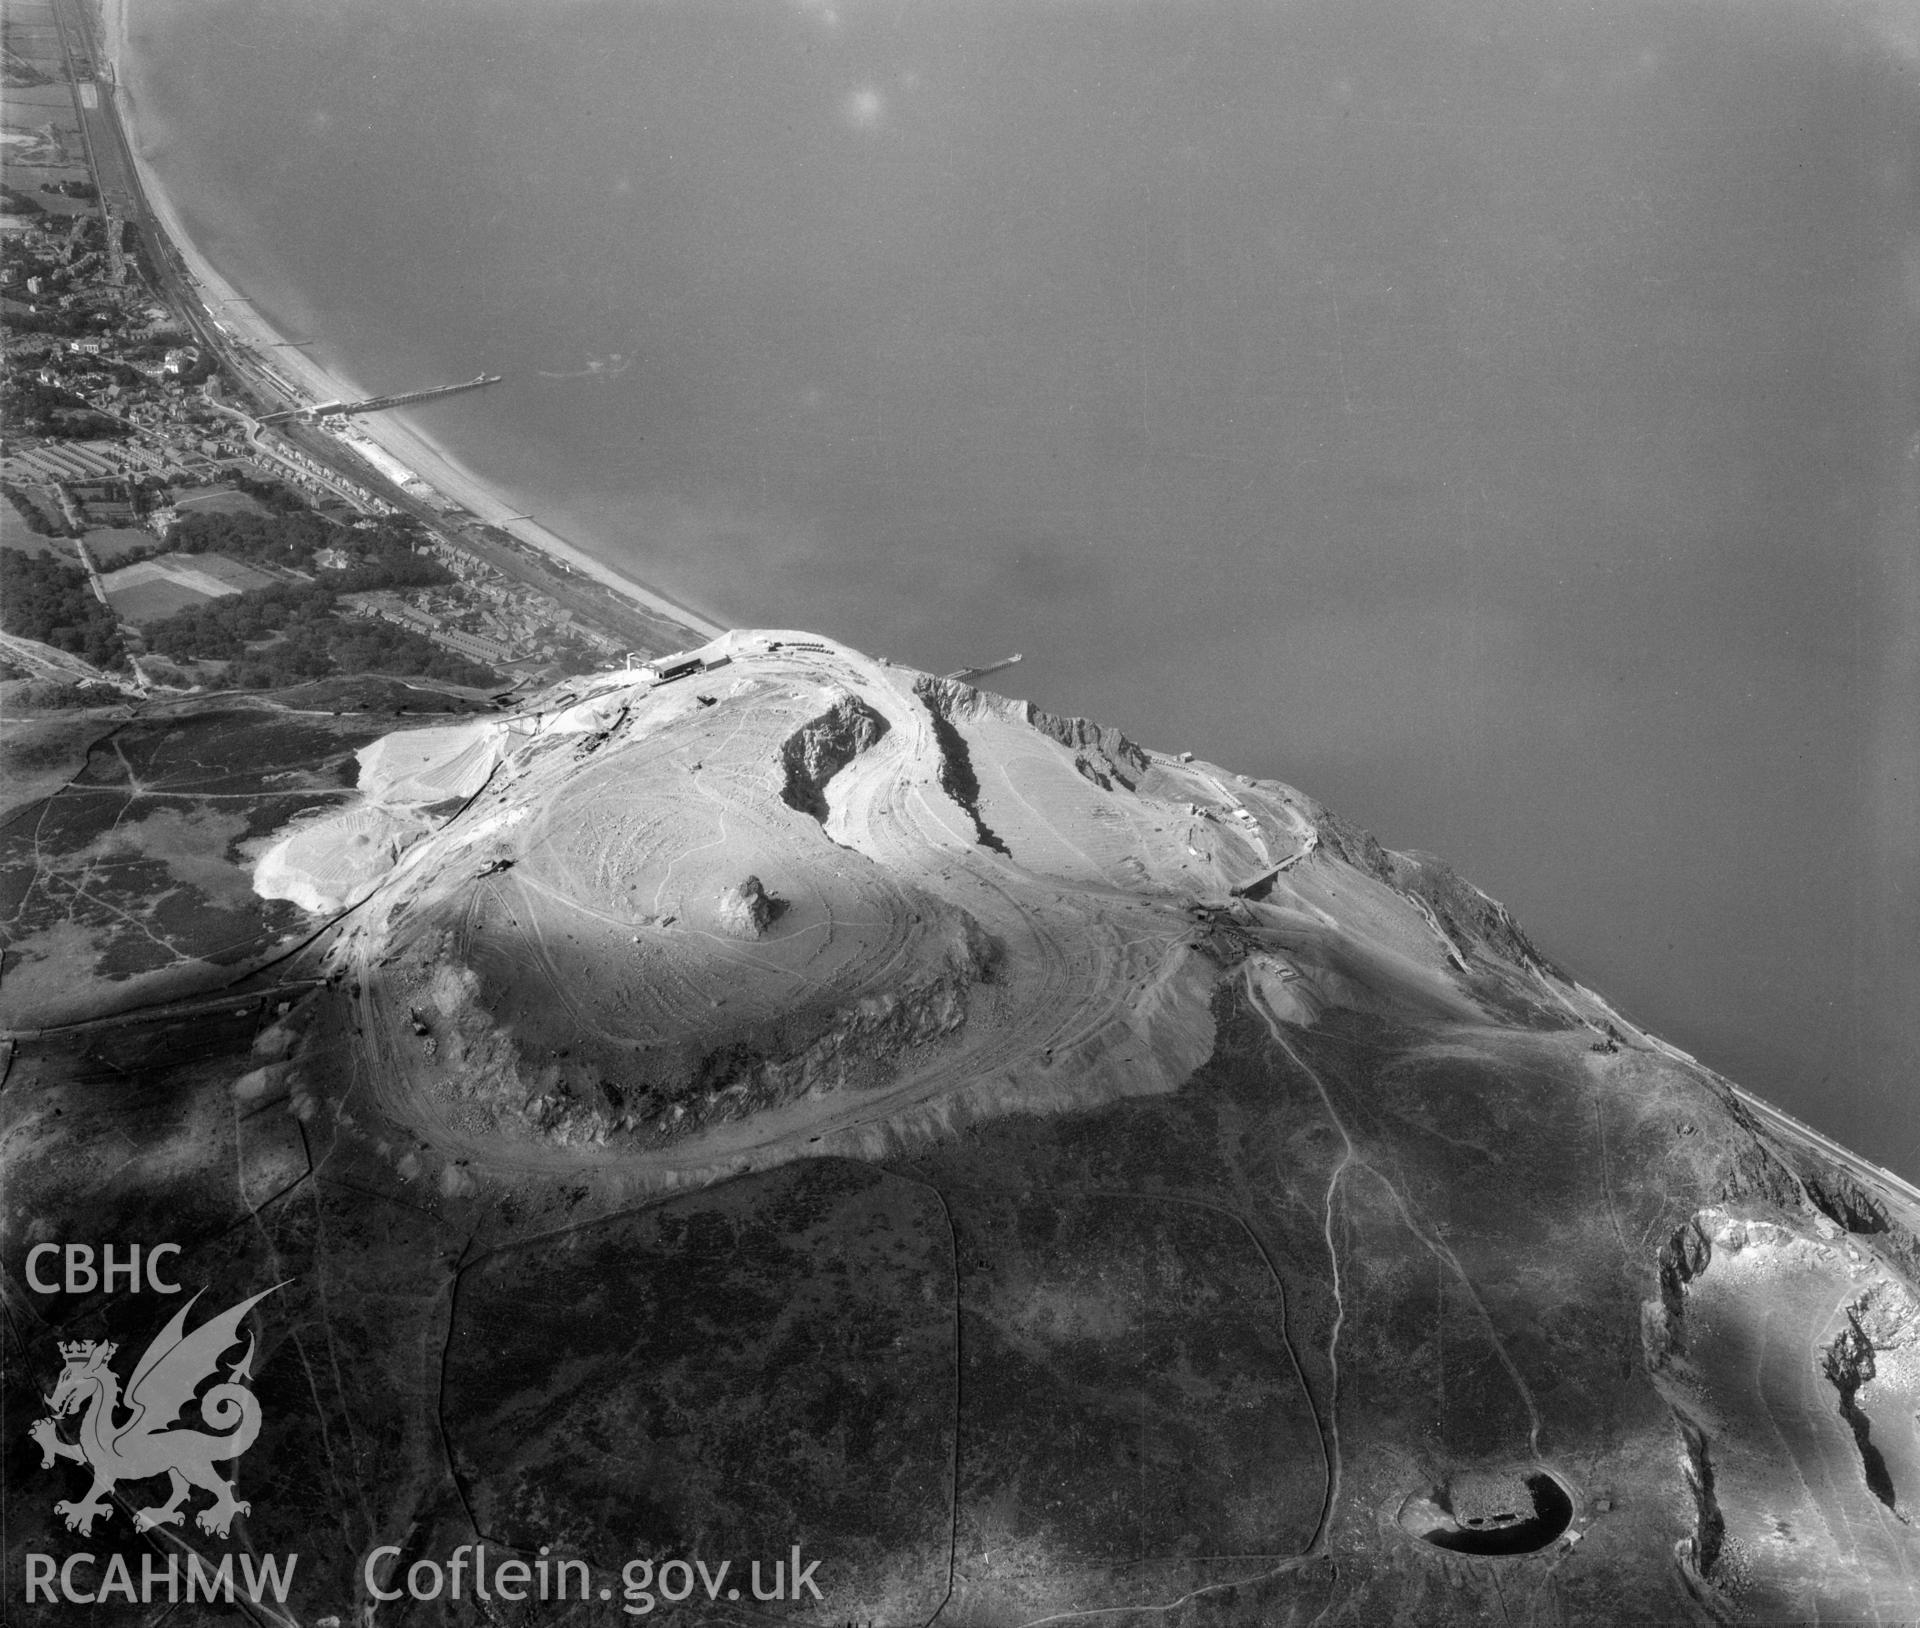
<point x="334" y="861"/>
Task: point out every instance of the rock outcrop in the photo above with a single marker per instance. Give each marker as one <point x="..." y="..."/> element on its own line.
<point x="745" y="910"/>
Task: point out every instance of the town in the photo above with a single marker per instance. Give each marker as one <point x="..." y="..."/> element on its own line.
<point x="177" y="518"/>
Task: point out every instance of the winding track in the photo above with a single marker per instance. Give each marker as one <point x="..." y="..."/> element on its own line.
<point x="1080" y="957"/>
<point x="1333" y="1258"/>
<point x="1103" y="990"/>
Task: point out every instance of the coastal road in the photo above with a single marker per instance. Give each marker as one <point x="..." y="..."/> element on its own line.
<point x="1906" y="1195"/>
<point x="119" y="179"/>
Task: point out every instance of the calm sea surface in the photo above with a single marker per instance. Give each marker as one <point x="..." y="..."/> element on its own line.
<point x="1496" y="419"/>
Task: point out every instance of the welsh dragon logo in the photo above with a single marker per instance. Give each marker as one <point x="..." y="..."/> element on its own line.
<point x="146" y="1443"/>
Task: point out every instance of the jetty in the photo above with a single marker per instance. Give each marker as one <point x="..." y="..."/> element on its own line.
<point x="378" y="404"/>
<point x="973" y="675"/>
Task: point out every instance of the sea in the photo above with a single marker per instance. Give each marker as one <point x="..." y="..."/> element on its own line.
<point x="1496" y="419"/>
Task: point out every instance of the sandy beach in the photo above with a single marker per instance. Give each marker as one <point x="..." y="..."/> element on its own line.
<point x="248" y="328"/>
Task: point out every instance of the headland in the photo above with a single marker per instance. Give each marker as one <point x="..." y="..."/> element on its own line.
<point x="778" y="1088"/>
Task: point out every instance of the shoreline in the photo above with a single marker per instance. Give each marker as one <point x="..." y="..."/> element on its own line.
<point x="234" y="314"/>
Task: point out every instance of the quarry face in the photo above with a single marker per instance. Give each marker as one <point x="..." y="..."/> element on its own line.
<point x="790" y="1100"/>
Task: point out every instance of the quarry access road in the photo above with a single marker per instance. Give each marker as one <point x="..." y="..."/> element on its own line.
<point x="1055" y="1017"/>
<point x="1776" y="1118"/>
<point x="1347" y="1157"/>
<point x="1086" y="963"/>
<point x="1350" y="1156"/>
<point x="47" y="662"/>
<point x="1780" y="1120"/>
<point x="928" y="816"/>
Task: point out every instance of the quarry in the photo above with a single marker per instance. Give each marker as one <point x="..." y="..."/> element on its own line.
<point x="772" y="1095"/>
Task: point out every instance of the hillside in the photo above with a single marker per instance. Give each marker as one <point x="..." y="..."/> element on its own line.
<point x="782" y="1097"/>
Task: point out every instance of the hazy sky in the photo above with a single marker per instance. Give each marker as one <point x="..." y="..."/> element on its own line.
<point x="1496" y="419"/>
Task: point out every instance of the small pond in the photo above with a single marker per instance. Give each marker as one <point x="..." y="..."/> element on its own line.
<point x="1511" y="1512"/>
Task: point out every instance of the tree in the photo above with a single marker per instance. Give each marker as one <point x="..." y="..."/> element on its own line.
<point x="42" y="599"/>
